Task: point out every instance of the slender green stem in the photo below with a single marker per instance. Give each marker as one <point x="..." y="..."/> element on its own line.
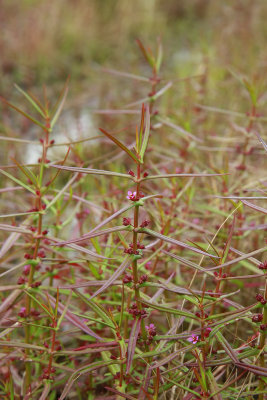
<point x="35" y="254"/>
<point x="135" y="241"/>
<point x="262" y="345"/>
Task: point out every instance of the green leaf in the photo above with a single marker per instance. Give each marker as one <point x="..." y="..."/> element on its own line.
<point x="175" y="242"/>
<point x="169" y="310"/>
<point x="26" y="171"/>
<point x="146" y="135"/>
<point x="43" y="306"/>
<point x="91" y="171"/>
<point x="228" y="349"/>
<point x="95" y="307"/>
<point x="228" y="243"/>
<point x="60" y="107"/>
<point x="113" y="277"/>
<point x="85" y="370"/>
<point x="147" y="54"/>
<point x="132" y="344"/>
<point x="159" y="56"/>
<point x="187" y="262"/>
<point x="64" y="311"/>
<point x="31" y="100"/>
<point x="62" y="191"/>
<point x="24" y="113"/>
<point x="168" y="176"/>
<point x="17" y="181"/>
<point x="121" y="145"/>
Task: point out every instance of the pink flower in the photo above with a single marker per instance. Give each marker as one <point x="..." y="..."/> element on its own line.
<point x="150" y="326"/>
<point x="151" y="329"/>
<point x="131" y="195"/>
<point x="22" y="312"/>
<point x="193" y="339"/>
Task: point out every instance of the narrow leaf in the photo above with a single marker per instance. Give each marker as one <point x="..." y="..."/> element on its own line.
<point x="115" y="276"/>
<point x="262" y="141"/>
<point x="31" y="100"/>
<point x="87" y="284"/>
<point x="179" y="129"/>
<point x="23" y="113"/>
<point x="125" y="74"/>
<point x="17" y="181"/>
<point x="146" y="135"/>
<point x="92" y="171"/>
<point x="64" y="311"/>
<point x="91" y="235"/>
<point x="10" y="300"/>
<point x="121" y="145"/>
<point x="243" y="257"/>
<point x="100" y="311"/>
<point x="120" y="394"/>
<point x="19" y="344"/>
<point x="13" y="139"/>
<point x="62" y="191"/>
<point x="60" y="107"/>
<point x="145" y="383"/>
<point x="111" y="217"/>
<point x="159" y="56"/>
<point x="254" y="207"/>
<point x="151" y="98"/>
<point x="160" y="291"/>
<point x="11" y="228"/>
<point x="171" y="356"/>
<point x="132" y="343"/>
<point x="148" y="56"/>
<point x="169" y="310"/>
<point x="225" y="344"/>
<point x="175" y="242"/>
<point x="253" y="368"/>
<point x="20" y="214"/>
<point x="43" y="306"/>
<point x="187" y="262"/>
<point x="82" y="250"/>
<point x="26" y="171"/>
<point x="139" y="141"/>
<point x="74" y="319"/>
<point x="81" y="371"/>
<point x="228" y="243"/>
<point x="45" y="392"/>
<point x="181" y="176"/>
<point x="9" y="242"/>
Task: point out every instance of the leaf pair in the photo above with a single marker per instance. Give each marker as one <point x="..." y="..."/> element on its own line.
<point x="42" y="110"/>
<point x="154" y="61"/>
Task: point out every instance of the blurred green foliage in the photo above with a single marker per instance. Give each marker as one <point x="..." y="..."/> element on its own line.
<point x="45" y="40"/>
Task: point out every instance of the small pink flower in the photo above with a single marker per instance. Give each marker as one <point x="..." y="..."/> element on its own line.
<point x="22" y="312"/>
<point x="131" y="195"/>
<point x="151" y="330"/>
<point x="193" y="339"/>
<point x="150" y="326"/>
<point x="148" y="265"/>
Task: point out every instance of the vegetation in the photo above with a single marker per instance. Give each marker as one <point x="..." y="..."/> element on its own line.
<point x="133" y="255"/>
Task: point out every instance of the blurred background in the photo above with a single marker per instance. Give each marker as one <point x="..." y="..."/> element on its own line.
<point x="209" y="48"/>
<point x="44" y="41"/>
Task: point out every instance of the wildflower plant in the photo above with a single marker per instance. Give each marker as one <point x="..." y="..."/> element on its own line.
<point x="123" y="284"/>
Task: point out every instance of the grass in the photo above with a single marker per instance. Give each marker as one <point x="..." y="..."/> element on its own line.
<point x="135" y="267"/>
